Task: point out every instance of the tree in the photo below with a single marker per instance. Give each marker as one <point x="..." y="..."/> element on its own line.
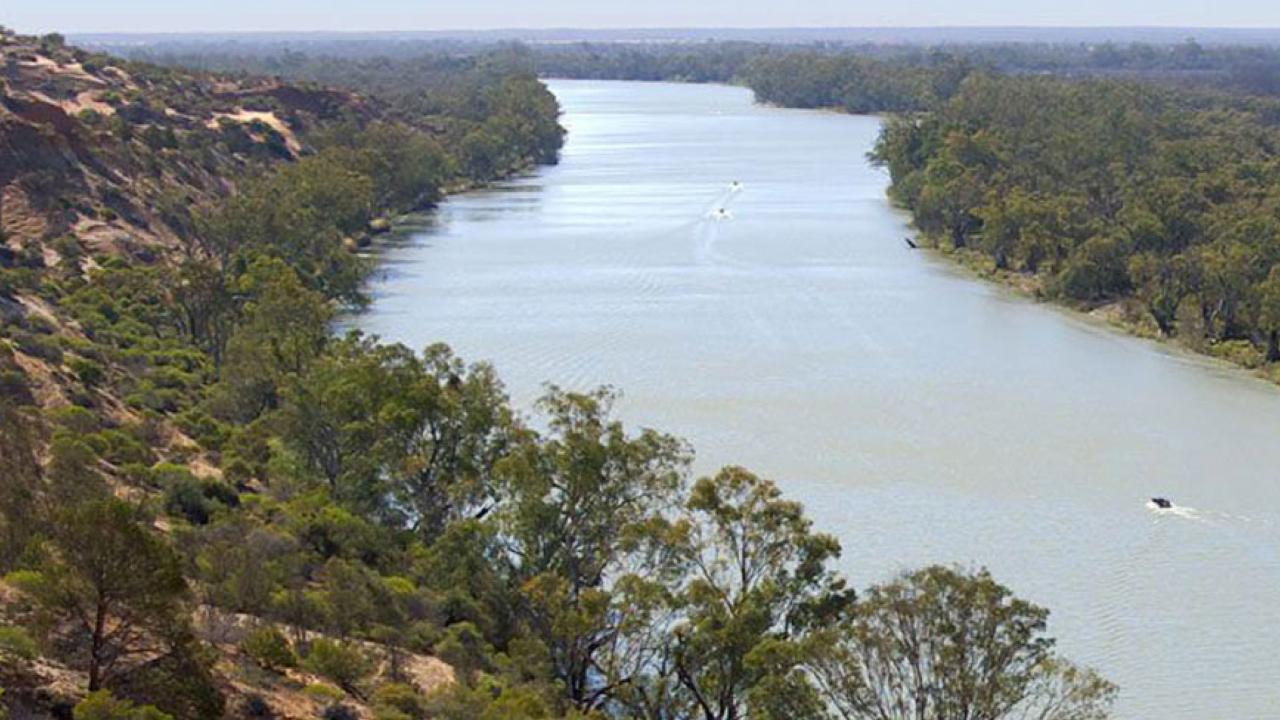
<point x="1269" y="312"/>
<point x="581" y="503"/>
<point x="112" y="584"/>
<point x="759" y="581"/>
<point x="938" y="644"/>
<point x="1096" y="269"/>
<point x="284" y="327"/>
<point x="445" y="432"/>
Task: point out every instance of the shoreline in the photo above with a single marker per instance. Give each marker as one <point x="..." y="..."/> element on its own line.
<point x="1120" y="315"/>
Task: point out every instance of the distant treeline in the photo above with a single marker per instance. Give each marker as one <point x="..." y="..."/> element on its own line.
<point x="897" y="75"/>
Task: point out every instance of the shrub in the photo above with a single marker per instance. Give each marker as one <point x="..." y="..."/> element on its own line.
<point x="120" y="447"/>
<point x="399" y="701"/>
<point x="101" y="705"/>
<point x="75" y="419"/>
<point x="17" y="642"/>
<point x="185" y="499"/>
<point x="87" y="371"/>
<point x="340" y="662"/>
<point x="269" y="648"/>
<point x="323" y="693"/>
<point x="45" y="347"/>
<point x="1240" y="352"/>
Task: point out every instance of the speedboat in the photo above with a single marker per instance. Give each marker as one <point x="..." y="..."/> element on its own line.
<point x="1162" y="503"/>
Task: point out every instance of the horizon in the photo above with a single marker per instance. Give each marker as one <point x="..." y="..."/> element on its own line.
<point x="497" y="16"/>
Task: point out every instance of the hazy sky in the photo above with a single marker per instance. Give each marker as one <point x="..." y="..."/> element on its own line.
<point x="225" y="15"/>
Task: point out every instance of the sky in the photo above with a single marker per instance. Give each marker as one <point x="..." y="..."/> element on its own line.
<point x="280" y="15"/>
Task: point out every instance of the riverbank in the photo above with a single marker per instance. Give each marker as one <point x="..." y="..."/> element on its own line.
<point x="1126" y="315"/>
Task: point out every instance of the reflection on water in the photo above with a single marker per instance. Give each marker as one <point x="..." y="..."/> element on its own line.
<point x="919" y="414"/>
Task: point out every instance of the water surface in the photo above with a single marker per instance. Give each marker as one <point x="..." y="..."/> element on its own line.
<point x="921" y="415"/>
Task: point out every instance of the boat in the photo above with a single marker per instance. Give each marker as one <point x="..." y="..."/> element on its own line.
<point x="1162" y="503"/>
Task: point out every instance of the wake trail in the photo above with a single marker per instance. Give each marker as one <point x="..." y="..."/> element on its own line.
<point x="708" y="228"/>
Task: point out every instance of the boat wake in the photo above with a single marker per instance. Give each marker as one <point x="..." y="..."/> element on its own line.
<point x="1188" y="513"/>
<point x="1194" y="514"/>
<point x="708" y="232"/>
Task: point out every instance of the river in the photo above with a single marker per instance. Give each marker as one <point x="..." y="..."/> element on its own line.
<point x="921" y="415"/>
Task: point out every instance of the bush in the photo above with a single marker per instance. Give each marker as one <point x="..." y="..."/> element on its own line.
<point x="1240" y="352"/>
<point x="75" y="419"/>
<point x="119" y="447"/>
<point x="323" y="693"/>
<point x="45" y="347"/>
<point x="269" y="648"/>
<point x="194" y="499"/>
<point x="101" y="705"/>
<point x="340" y="662"/>
<point x="17" y="642"/>
<point x="399" y="701"/>
<point x="87" y="371"/>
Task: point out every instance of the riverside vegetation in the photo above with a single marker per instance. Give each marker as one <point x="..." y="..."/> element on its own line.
<point x="212" y="507"/>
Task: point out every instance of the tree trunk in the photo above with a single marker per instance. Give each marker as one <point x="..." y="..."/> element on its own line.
<point x="95" y="648"/>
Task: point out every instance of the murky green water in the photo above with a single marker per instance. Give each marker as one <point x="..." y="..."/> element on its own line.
<point x="921" y="415"/>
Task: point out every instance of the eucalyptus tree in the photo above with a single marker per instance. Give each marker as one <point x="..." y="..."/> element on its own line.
<point x="939" y="644"/>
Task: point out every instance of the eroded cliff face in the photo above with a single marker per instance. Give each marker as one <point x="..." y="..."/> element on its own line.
<point x="107" y="151"/>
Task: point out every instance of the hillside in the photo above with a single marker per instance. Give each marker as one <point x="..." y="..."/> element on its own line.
<point x="129" y="195"/>
<point x="114" y="153"/>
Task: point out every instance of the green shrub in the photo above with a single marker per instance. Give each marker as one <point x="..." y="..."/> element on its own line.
<point x="194" y="498"/>
<point x="269" y="648"/>
<point x="75" y="419"/>
<point x="343" y="663"/>
<point x="101" y="705"/>
<point x="322" y="693"/>
<point x="87" y="371"/>
<point x="1240" y="352"/>
<point x="45" y="347"/>
<point x="17" y="641"/>
<point x="398" y="701"/>
<point x="120" y="447"/>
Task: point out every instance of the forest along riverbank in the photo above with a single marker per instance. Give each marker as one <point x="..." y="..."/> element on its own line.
<point x="921" y="415"/>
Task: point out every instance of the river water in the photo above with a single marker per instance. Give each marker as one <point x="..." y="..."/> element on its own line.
<point x="921" y="415"/>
